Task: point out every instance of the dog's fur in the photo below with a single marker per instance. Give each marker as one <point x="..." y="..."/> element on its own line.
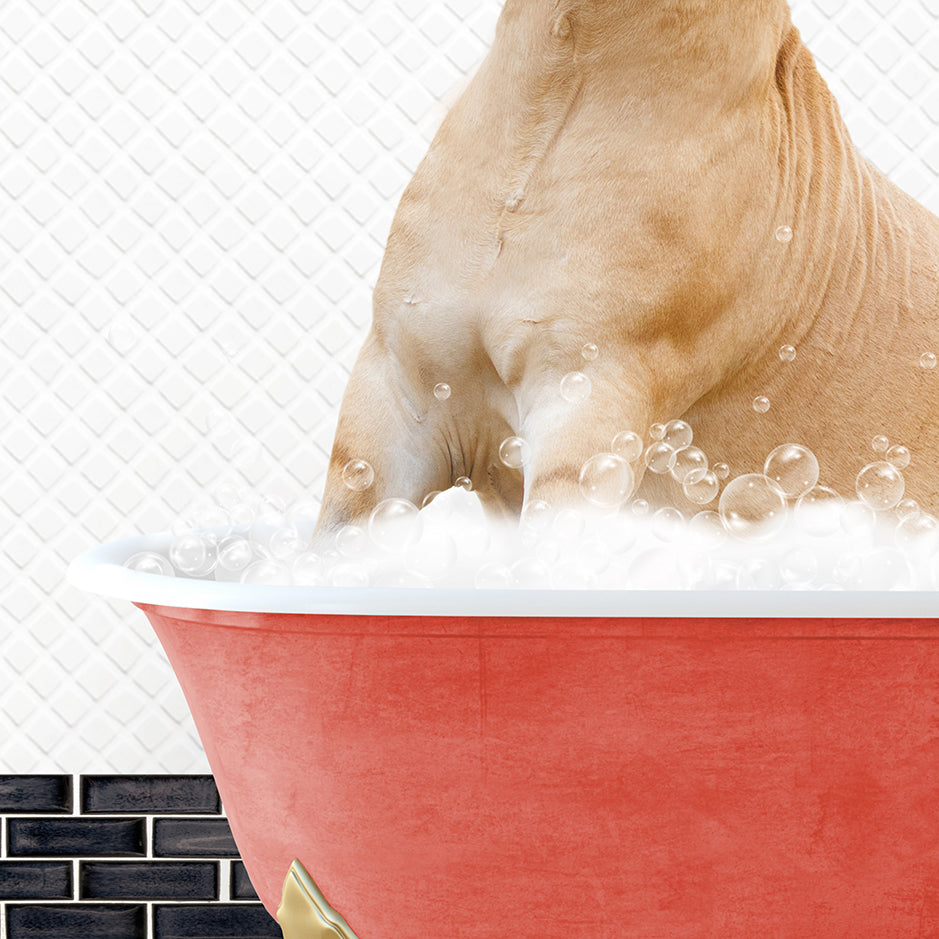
<point x="615" y="173"/>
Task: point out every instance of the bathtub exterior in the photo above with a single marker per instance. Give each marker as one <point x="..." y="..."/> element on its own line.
<point x="468" y="777"/>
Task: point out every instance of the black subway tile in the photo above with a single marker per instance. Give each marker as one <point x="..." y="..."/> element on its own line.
<point x="76" y="837"/>
<point x="241" y="886"/>
<point x="35" y="880"/>
<point x="35" y="794"/>
<point x="193" y="837"/>
<point x="148" y="880"/>
<point x="247" y="921"/>
<point x="74" y="920"/>
<point x="178" y="795"/>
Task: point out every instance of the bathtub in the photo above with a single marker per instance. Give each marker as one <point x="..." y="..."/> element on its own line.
<point x="604" y="764"/>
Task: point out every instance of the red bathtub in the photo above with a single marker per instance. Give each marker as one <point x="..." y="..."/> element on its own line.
<point x="550" y="765"/>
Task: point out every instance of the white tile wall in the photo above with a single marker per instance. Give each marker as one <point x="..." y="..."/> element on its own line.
<point x="194" y="198"/>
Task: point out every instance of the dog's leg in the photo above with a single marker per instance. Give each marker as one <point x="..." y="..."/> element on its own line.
<point x="414" y="443"/>
<point x="564" y="436"/>
<point x="388" y="420"/>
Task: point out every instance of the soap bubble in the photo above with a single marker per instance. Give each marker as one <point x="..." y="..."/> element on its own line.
<point x="576" y="387"/>
<point x="536" y="517"/>
<point x="759" y="574"/>
<point x="708" y="528"/>
<point x="927" y="360"/>
<point x="514" y="452"/>
<point x="898" y="456"/>
<point x="442" y="391"/>
<point x="568" y="525"/>
<point x="690" y="465"/>
<point x="784" y="234"/>
<point x="530" y="573"/>
<point x="606" y="480"/>
<point x="668" y="524"/>
<point x="917" y="529"/>
<point x="308" y="570"/>
<point x="205" y="513"/>
<point x="798" y="567"/>
<point x="880" y="443"/>
<point x="907" y="508"/>
<point x="787" y="353"/>
<point x="192" y="554"/>
<point x="234" y="554"/>
<point x="429" y="498"/>
<point x="880" y="485"/>
<point x="589" y="351"/>
<point x="639" y="507"/>
<point x="656" y="569"/>
<point x="150" y="562"/>
<point x="267" y="571"/>
<point x="628" y="445"/>
<point x="358" y="475"/>
<point x="493" y="576"/>
<point x="678" y="435"/>
<point x="701" y="489"/>
<point x="351" y="541"/>
<point x="284" y="542"/>
<point x="857" y="518"/>
<point x="349" y="575"/>
<point x="793" y="468"/>
<point x="394" y="524"/>
<point x="761" y="404"/>
<point x="433" y="555"/>
<point x="656" y="431"/>
<point x="303" y="514"/>
<point x="752" y="507"/>
<point x="818" y="511"/>
<point x="464" y="482"/>
<point x="721" y="470"/>
<point x="659" y="457"/>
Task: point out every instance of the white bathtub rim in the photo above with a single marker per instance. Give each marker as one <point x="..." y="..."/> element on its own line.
<point x="100" y="570"/>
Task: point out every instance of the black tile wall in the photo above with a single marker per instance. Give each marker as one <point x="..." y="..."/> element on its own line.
<point x="193" y="837"/>
<point x="148" y="880"/>
<point x="35" y="794"/>
<point x="115" y="795"/>
<point x="241" y="886"/>
<point x="77" y="921"/>
<point x="35" y="880"/>
<point x="213" y="922"/>
<point x="138" y="857"/>
<point x="75" y="837"/>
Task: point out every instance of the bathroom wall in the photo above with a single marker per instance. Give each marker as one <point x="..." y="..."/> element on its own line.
<point x="194" y="198"/>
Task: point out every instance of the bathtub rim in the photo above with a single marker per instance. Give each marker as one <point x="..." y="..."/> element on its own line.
<point x="100" y="570"/>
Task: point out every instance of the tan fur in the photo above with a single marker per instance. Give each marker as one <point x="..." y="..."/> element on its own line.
<point x="615" y="173"/>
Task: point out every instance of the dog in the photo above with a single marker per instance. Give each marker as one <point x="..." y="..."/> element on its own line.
<point x="671" y="182"/>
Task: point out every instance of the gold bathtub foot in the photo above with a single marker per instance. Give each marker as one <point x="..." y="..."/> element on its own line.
<point x="304" y="913"/>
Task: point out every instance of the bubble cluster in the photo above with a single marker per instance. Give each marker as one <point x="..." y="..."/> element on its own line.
<point x="781" y="528"/>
